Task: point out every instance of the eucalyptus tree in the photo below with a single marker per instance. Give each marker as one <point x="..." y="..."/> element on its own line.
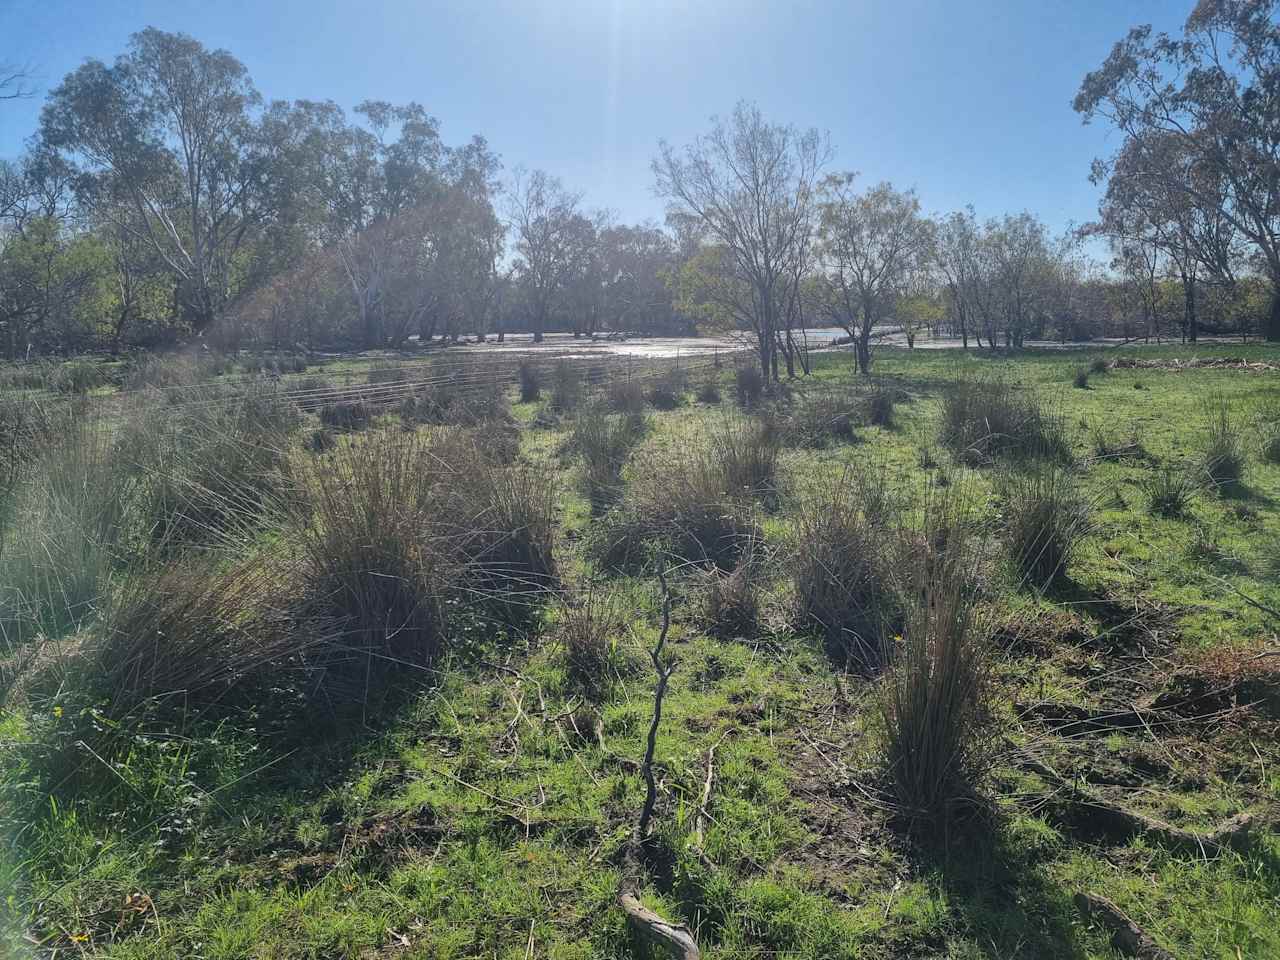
<point x="869" y="245"/>
<point x="551" y="240"/>
<point x="1214" y="94"/>
<point x="173" y="125"/>
<point x="751" y="184"/>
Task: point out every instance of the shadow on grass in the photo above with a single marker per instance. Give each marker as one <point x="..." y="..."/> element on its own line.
<point x="1006" y="904"/>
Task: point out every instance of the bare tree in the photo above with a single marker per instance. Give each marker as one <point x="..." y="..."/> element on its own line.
<point x="751" y="184"/>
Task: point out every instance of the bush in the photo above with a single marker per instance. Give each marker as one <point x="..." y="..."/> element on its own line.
<point x="1224" y="459"/>
<point x="1099" y="365"/>
<point x="682" y="505"/>
<point x="208" y="469"/>
<point x="983" y="420"/>
<point x="381" y="374"/>
<point x="1169" y="492"/>
<point x="1045" y="520"/>
<point x="749" y="385"/>
<point x="840" y="563"/>
<point x="933" y="699"/>
<point x="77" y="377"/>
<point x="1081" y="379"/>
<point x="530" y="380"/>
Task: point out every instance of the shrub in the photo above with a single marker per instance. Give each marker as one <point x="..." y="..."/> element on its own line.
<point x="1081" y="379"/>
<point x="840" y="562"/>
<point x="1224" y="461"/>
<point x="1169" y="492"/>
<point x="65" y="523"/>
<point x="1099" y="365"/>
<point x="709" y="390"/>
<point x="566" y="386"/>
<point x="530" y="380"/>
<point x="1045" y="520"/>
<point x="749" y="385"/>
<point x="679" y="505"/>
<point x="625" y="396"/>
<point x="983" y="420"/>
<point x="666" y="391"/>
<point x="387" y="373"/>
<point x="1269" y="448"/>
<point x="933" y="698"/>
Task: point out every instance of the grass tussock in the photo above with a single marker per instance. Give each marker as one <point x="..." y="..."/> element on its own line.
<point x="696" y="505"/>
<point x="730" y="606"/>
<point x="529" y="378"/>
<point x="604" y="441"/>
<point x="625" y="396"/>
<point x="933" y="698"/>
<point x="567" y="387"/>
<point x="748" y="385"/>
<point x="708" y="390"/>
<point x="827" y="417"/>
<point x="1170" y="491"/>
<point x="591" y="625"/>
<point x="666" y="390"/>
<point x="1045" y="520"/>
<point x="1223" y="461"/>
<point x="374" y="568"/>
<point x="841" y="556"/>
<point x="987" y="420"/>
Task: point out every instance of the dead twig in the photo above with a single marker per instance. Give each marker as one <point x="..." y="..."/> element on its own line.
<point x="674" y="938"/>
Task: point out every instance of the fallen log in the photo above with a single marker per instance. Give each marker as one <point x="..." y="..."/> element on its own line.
<point x="1126" y="936"/>
<point x="674" y="938"/>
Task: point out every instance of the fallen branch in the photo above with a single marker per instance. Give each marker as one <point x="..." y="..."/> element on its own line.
<point x="1126" y="936"/>
<point x="674" y="938"/>
<point x="1234" y="833"/>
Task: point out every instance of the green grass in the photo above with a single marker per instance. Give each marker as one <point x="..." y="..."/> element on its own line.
<point x="480" y="813"/>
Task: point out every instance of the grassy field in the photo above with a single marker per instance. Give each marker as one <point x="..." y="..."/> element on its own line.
<point x="381" y="688"/>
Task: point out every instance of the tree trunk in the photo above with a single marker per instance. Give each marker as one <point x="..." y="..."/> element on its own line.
<point x="1272" y="331"/>
<point x="1189" y="297"/>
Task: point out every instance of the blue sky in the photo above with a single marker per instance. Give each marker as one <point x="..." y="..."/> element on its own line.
<point x="968" y="102"/>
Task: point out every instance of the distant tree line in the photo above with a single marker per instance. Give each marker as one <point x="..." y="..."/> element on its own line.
<point x="163" y="199"/>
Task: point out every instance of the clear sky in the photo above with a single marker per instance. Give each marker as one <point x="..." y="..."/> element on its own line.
<point x="968" y="102"/>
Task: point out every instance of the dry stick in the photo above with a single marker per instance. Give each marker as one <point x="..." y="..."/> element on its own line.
<point x="1126" y="936"/>
<point x="675" y="939"/>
